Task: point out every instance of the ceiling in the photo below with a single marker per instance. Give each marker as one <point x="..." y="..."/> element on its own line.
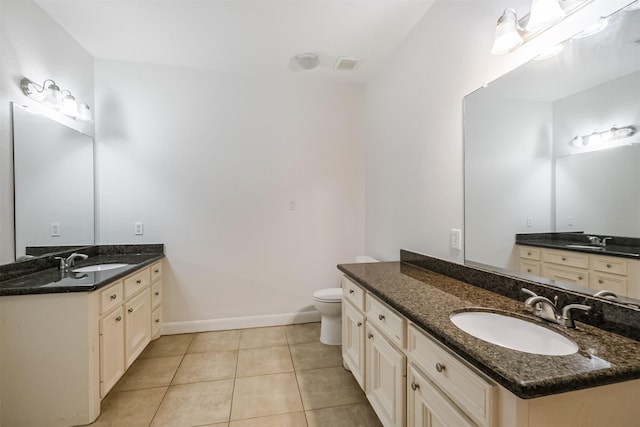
<point x="240" y="35"/>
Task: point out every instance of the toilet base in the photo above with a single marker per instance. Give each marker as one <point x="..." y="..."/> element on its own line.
<point x="331" y="330"/>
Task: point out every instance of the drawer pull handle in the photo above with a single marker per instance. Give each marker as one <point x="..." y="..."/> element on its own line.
<point x="529" y="253"/>
<point x="414" y="386"/>
<point x="157" y="293"/>
<point x="139" y="281"/>
<point x="564" y="259"/>
<point x="381" y="317"/>
<point x="119" y="318"/>
<point x="156" y="271"/>
<point x="608" y="265"/>
<point x="130" y="310"/>
<point x="114" y="296"/>
<point x="359" y="324"/>
<point x="440" y="367"/>
<point x="369" y="335"/>
<point x="157" y="320"/>
<point x="351" y="291"/>
<point x="600" y="281"/>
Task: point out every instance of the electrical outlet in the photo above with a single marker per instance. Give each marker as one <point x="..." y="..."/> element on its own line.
<point x="55" y="229"/>
<point x="569" y="220"/>
<point x="456" y="239"/>
<point x="529" y="221"/>
<point x="138" y="228"/>
<point x="293" y="205"/>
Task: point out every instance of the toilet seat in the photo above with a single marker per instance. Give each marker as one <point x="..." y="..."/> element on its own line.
<point x="330" y="295"/>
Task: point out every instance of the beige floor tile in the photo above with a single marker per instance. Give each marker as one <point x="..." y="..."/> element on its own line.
<point x="263" y="337"/>
<point x="303" y="333"/>
<point x="216" y="425"/>
<point x="265" y="395"/>
<point x="294" y="419"/>
<point x="264" y="361"/>
<point x="168" y="345"/>
<point x="207" y="342"/>
<point x="130" y="408"/>
<point x="358" y="415"/>
<point x="322" y="388"/>
<point x="218" y="365"/>
<point x="195" y="404"/>
<point x="315" y="355"/>
<point x="147" y="373"/>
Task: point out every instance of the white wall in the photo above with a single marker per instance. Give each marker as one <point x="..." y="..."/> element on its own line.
<point x="413" y="120"/>
<point x="209" y="162"/>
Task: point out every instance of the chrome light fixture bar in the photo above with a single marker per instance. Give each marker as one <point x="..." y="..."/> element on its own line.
<point x="511" y="33"/>
<point x="49" y="94"/>
<point x="606" y="135"/>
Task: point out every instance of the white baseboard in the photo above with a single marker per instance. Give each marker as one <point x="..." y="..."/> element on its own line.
<point x="172" y="328"/>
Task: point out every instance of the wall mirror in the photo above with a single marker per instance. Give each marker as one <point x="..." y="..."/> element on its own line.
<point x="54" y="184"/>
<point x="525" y="171"/>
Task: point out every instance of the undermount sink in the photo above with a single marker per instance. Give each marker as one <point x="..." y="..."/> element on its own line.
<point x="98" y="267"/>
<point x="514" y="333"/>
<point x="593" y="248"/>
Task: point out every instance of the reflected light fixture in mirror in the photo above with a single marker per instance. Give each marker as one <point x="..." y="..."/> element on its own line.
<point x="606" y="135"/>
<point x="49" y="94"/>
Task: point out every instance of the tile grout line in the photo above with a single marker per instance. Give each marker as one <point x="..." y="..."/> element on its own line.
<point x="295" y="374"/>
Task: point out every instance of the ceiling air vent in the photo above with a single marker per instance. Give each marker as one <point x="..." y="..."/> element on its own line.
<point x="345" y="63"/>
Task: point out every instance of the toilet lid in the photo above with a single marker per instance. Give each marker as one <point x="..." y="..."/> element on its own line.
<point x="329" y="295"/>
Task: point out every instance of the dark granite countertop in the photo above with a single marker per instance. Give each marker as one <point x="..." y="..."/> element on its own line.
<point x="624" y="247"/>
<point x="52" y="280"/>
<point x="427" y="299"/>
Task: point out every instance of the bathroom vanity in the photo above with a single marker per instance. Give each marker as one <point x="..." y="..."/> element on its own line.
<point x="418" y="368"/>
<point x="68" y="337"/>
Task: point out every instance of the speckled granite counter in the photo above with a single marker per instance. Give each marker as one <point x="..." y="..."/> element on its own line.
<point x="427" y="299"/>
<point x="42" y="276"/>
<point x="625" y="247"/>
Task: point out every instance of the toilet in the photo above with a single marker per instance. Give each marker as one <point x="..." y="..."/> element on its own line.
<point x="329" y="303"/>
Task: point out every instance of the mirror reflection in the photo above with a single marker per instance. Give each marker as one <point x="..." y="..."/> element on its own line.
<point x="550" y="148"/>
<point x="54" y="190"/>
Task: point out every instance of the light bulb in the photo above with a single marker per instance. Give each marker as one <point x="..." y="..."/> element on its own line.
<point x="544" y="13"/>
<point x="69" y="106"/>
<point x="52" y="96"/>
<point x="507" y="37"/>
<point x="578" y="141"/>
<point x="595" y="138"/>
<point x="84" y="112"/>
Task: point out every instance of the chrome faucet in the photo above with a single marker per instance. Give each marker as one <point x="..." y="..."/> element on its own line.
<point x="599" y="241"/>
<point x="606" y="294"/>
<point x="544" y="308"/>
<point x="66" y="264"/>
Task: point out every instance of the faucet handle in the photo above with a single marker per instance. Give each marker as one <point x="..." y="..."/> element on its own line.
<point x="529" y="292"/>
<point x="63" y="263"/>
<point x="603" y="241"/>
<point x="594" y="240"/>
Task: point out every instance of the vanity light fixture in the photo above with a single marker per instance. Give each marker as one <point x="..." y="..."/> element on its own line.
<point x="511" y="32"/>
<point x="49" y="94"/>
<point x="606" y="135"/>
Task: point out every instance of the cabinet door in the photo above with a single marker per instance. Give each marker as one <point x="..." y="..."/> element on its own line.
<point x="353" y="338"/>
<point x="111" y="349"/>
<point x="385" y="378"/>
<point x="137" y="325"/>
<point x="427" y="407"/>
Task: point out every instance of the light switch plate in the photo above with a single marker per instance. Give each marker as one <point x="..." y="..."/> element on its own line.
<point x="55" y="229"/>
<point x="138" y="228"/>
<point x="456" y="239"/>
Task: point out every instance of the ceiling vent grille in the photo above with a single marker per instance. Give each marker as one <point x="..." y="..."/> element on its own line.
<point x="345" y="63"/>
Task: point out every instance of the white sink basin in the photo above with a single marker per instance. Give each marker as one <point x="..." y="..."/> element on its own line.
<point x="513" y="333"/>
<point x="98" y="267"/>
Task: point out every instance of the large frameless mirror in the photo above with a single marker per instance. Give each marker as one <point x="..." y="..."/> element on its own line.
<point x="550" y="147"/>
<point x="54" y="185"/>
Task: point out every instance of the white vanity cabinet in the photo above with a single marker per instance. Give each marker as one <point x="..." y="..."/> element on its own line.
<point x="592" y="270"/>
<point x="63" y="352"/>
<point x="353" y="330"/>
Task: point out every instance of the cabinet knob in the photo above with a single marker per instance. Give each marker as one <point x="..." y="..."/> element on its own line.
<point x="608" y="265"/>
<point x="114" y="296"/>
<point x="579" y="277"/>
<point x="351" y="291"/>
<point x="359" y="324"/>
<point x="440" y="367"/>
<point x="156" y="271"/>
<point x="528" y="270"/>
<point x="130" y="310"/>
<point x="119" y="318"/>
<point x="414" y="386"/>
<point x="564" y="259"/>
<point x="600" y="281"/>
<point x="157" y="320"/>
<point x="157" y="293"/>
<point x="369" y="335"/>
<point x="139" y="281"/>
<point x="381" y="316"/>
<point x="529" y="253"/>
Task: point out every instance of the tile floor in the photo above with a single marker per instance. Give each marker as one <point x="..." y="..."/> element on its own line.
<point x="264" y="377"/>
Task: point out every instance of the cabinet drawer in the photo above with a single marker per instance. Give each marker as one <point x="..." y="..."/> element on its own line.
<point x="111" y="297"/>
<point x="156" y="321"/>
<point x="156" y="271"/>
<point x="353" y="293"/>
<point x="566" y="258"/>
<point x="610" y="265"/>
<point x="529" y="252"/>
<point x="610" y="282"/>
<point x="470" y="391"/>
<point x="156" y="294"/>
<point x="136" y="282"/>
<point x="530" y="267"/>
<point x="575" y="276"/>
<point x="388" y="321"/>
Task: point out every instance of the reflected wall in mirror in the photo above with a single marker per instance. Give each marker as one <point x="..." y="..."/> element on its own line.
<point x="523" y="171"/>
<point x="54" y="183"/>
